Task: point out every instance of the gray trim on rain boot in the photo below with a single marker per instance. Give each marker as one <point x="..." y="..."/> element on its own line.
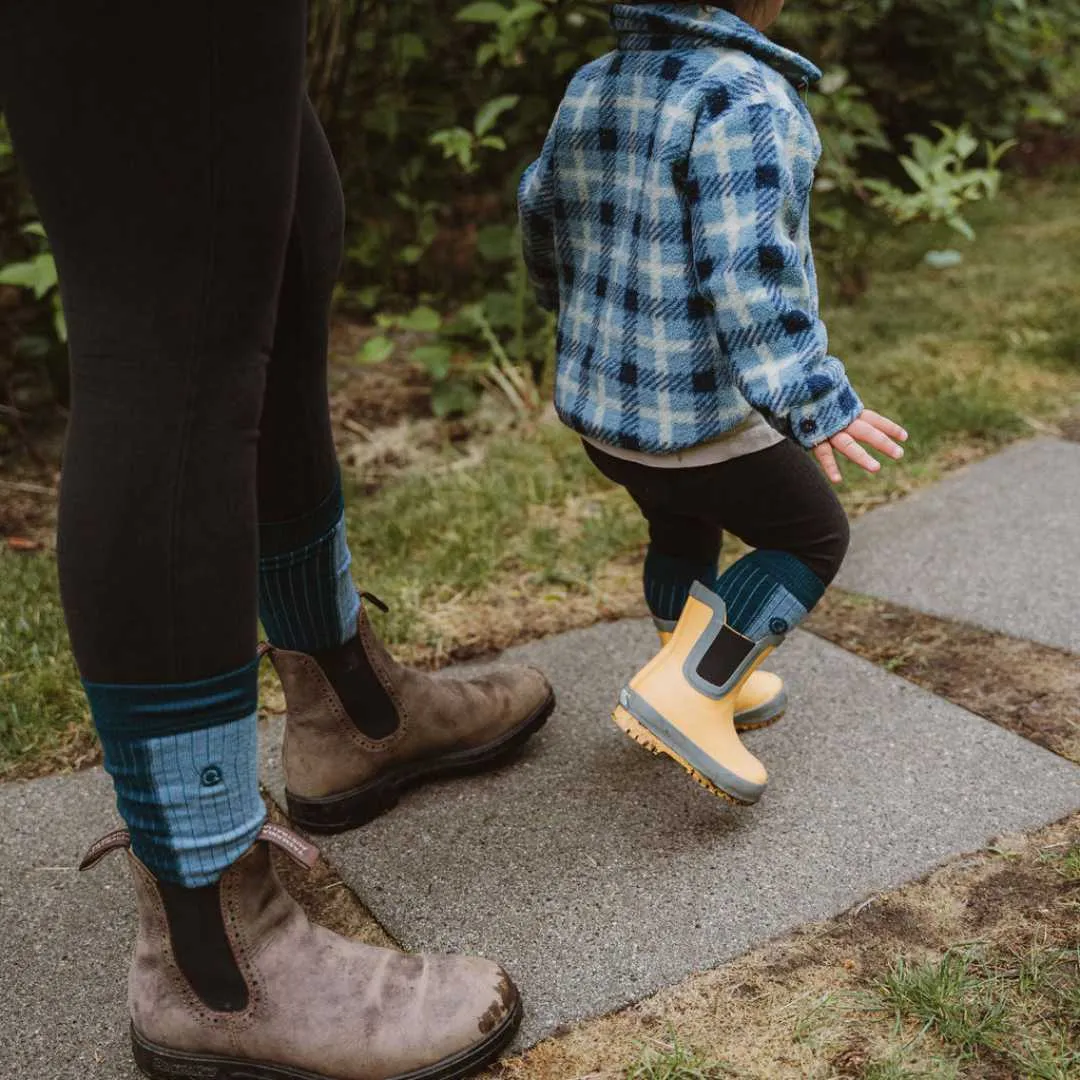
<point x="718" y="626"/>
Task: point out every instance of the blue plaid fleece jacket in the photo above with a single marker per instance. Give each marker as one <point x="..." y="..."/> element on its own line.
<point x="667" y="222"/>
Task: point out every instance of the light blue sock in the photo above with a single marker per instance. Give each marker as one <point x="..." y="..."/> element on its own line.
<point x="184" y="762"/>
<point x="307" y="599"/>
<point x="768" y="592"/>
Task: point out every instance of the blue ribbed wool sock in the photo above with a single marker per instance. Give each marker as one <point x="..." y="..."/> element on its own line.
<point x="668" y="580"/>
<point x="768" y="592"/>
<point x="184" y="762"/>
<point x="307" y="599"/>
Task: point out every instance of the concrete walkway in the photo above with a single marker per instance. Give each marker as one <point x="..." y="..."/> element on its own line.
<point x="594" y="871"/>
<point x="995" y="544"/>
<point x="598" y="873"/>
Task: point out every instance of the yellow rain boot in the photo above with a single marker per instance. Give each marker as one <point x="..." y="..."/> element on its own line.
<point x="762" y="701"/>
<point x="682" y="703"/>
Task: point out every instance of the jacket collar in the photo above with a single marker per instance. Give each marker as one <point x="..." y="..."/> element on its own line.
<point x="658" y="26"/>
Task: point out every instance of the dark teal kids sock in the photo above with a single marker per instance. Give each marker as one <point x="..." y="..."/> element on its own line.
<point x="768" y="592"/>
<point x="307" y="599"/>
<point x="668" y="580"/>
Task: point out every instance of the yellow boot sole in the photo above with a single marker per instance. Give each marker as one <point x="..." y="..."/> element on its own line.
<point x="643" y="737"/>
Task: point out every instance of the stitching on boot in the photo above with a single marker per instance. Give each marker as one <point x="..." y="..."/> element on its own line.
<point x="178" y="981"/>
<point x="343" y="725"/>
<point x="241" y="949"/>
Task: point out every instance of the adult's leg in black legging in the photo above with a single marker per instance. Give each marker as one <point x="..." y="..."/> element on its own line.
<point x="161" y="142"/>
<point x="307" y="598"/>
<point x="297" y="462"/>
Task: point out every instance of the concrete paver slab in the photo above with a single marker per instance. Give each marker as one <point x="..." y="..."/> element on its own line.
<point x="594" y="871"/>
<point x="598" y="873"/>
<point x="994" y="544"/>
<point x="66" y="937"/>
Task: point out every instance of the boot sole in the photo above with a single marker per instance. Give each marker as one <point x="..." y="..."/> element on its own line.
<point x="637" y="731"/>
<point x="764" y="715"/>
<point x="350" y="810"/>
<point x="160" y="1063"/>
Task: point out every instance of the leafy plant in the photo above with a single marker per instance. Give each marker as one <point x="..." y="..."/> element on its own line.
<point x="38" y="275"/>
<point x="434" y="110"/>
<point x="463" y="145"/>
<point x="945" y="182"/>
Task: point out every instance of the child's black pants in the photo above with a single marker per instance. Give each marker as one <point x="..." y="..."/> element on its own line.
<point x="776" y="499"/>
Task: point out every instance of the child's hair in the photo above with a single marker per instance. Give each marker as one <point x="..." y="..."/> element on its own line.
<point x="742" y="8"/>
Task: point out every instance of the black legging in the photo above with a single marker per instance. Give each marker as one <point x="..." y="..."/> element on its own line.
<point x="776" y="499"/>
<point x="196" y="216"/>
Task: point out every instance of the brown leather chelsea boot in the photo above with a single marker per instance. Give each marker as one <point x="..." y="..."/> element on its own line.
<point x="361" y="728"/>
<point x="232" y="982"/>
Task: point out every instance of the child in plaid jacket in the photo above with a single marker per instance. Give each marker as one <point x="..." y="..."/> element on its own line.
<point x="667" y="223"/>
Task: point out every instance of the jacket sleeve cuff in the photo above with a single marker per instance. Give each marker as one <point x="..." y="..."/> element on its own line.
<point x="811" y="424"/>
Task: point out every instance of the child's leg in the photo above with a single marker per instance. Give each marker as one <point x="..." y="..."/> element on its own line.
<point x="683" y="548"/>
<point x="779" y="503"/>
<point x="686" y="702"/>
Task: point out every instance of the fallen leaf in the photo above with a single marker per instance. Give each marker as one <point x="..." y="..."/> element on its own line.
<point x="20" y="543"/>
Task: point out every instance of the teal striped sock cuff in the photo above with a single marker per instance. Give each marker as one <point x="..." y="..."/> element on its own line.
<point x="307" y="599"/>
<point x="769" y="593"/>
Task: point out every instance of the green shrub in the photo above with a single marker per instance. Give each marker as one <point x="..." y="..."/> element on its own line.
<point x="433" y="110"/>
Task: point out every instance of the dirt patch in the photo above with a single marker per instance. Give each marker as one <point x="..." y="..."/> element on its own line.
<point x="381" y="394"/>
<point x="1070" y="428"/>
<point x="27" y="510"/>
<point x="510" y="613"/>
<point x="1030" y="689"/>
<point x="327" y="900"/>
<point x="1045" y="150"/>
<point x="29" y="475"/>
<point x="808" y="1005"/>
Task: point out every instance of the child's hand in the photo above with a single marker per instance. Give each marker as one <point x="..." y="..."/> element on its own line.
<point x="874" y="430"/>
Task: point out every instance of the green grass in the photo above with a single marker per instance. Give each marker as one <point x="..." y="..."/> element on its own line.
<point x="894" y="1068"/>
<point x="1020" y="1009"/>
<point x="42" y="712"/>
<point x="674" y="1061"/>
<point x="966" y="359"/>
<point x="535" y="514"/>
<point x="965" y="1009"/>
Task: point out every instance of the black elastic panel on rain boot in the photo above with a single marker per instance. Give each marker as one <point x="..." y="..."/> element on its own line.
<point x="364" y="697"/>
<point x="202" y="948"/>
<point x="723" y="657"/>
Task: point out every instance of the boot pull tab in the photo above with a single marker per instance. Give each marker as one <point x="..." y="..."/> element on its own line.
<point x="373" y="599"/>
<point x="264" y="649"/>
<point x="299" y="850"/>
<point x="118" y="838"/>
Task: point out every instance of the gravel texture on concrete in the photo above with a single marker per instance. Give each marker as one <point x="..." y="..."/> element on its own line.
<point x="65" y="937"/>
<point x="597" y="873"/>
<point x="994" y="544"/>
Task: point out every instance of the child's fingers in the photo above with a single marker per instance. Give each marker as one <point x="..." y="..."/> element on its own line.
<point x="847" y="446"/>
<point x="883" y="423"/>
<point x="827" y="460"/>
<point x="875" y="438"/>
